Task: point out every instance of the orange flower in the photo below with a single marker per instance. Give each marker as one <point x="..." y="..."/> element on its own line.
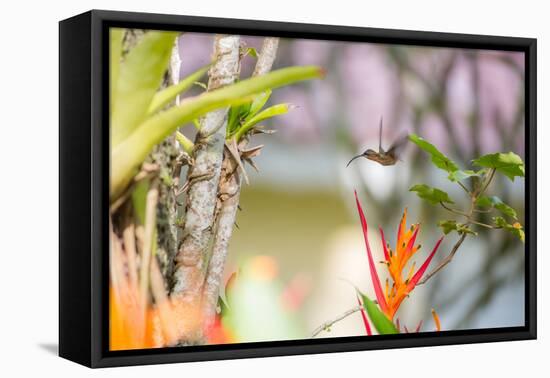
<point x="396" y="260"/>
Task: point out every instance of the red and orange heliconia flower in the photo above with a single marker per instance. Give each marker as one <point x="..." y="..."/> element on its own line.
<point x="396" y="260"/>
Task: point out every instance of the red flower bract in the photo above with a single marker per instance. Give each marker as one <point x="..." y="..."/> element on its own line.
<point x="391" y="298"/>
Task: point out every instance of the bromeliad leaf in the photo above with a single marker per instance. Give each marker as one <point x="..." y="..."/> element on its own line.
<point x="270" y="112"/>
<point x="163" y="98"/>
<point x="451" y="225"/>
<point x="383" y="325"/>
<point x="258" y="103"/>
<point x="140" y="76"/>
<point x="432" y="195"/>
<point x="245" y="112"/>
<point x="236" y="114"/>
<point x="516" y="228"/>
<point x="494" y="201"/>
<point x="509" y="164"/>
<point x="439" y="159"/>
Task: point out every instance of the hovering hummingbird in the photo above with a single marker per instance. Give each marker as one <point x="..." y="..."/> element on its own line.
<point x="389" y="157"/>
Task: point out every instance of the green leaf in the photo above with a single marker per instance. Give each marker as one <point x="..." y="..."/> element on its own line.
<point x="140" y="76"/>
<point x="460" y="175"/>
<point x="251" y="51"/>
<point x="270" y="112"/>
<point x="115" y="50"/>
<point x="383" y="325"/>
<point x="259" y="102"/>
<point x="163" y="98"/>
<point x="126" y="156"/>
<point x="236" y="114"/>
<point x="484" y="202"/>
<point x="185" y="143"/>
<point x="494" y="201"/>
<point x="506" y="210"/>
<point x="516" y="228"/>
<point x="451" y="225"/>
<point x="438" y="158"/>
<point x="432" y="195"/>
<point x="509" y="164"/>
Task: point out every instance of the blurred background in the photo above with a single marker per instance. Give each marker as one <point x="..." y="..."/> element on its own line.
<point x="298" y="227"/>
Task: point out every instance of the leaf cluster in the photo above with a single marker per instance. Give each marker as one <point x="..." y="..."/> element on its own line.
<point x="478" y="179"/>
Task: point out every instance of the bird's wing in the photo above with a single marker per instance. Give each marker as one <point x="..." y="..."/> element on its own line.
<point x="399" y="145"/>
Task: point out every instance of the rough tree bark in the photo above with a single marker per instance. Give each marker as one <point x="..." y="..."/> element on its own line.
<point x="165" y="156"/>
<point x="203" y="178"/>
<point x="228" y="201"/>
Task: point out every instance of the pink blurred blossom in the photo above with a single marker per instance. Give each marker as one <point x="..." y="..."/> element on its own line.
<point x="369" y="88"/>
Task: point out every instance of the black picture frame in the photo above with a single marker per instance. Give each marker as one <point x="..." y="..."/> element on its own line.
<point x="84" y="188"/>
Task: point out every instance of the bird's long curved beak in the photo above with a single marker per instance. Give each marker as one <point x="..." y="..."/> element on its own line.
<point x="352" y="159"/>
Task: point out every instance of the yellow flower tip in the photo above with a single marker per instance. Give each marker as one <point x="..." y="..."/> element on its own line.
<point x="517" y="225"/>
<point x="436" y="320"/>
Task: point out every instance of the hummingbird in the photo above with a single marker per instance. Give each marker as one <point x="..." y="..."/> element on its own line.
<point x="389" y="157"/>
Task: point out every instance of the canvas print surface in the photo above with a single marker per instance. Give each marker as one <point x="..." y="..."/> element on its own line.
<point x="269" y="189"/>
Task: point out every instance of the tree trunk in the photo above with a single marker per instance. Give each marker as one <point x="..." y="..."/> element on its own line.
<point x="203" y="178"/>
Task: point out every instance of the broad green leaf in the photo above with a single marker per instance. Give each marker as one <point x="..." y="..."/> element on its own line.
<point x="516" y="228"/>
<point x="451" y="225"/>
<point x="432" y="195"/>
<point x="163" y="98"/>
<point x="439" y="159"/>
<point x="509" y="164"/>
<point x="115" y="50"/>
<point x="270" y="112"/>
<point x="460" y="175"/>
<point x="259" y="102"/>
<point x="185" y="143"/>
<point x="383" y="325"/>
<point x="140" y="76"/>
<point x="484" y="202"/>
<point x="494" y="201"/>
<point x="129" y="154"/>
